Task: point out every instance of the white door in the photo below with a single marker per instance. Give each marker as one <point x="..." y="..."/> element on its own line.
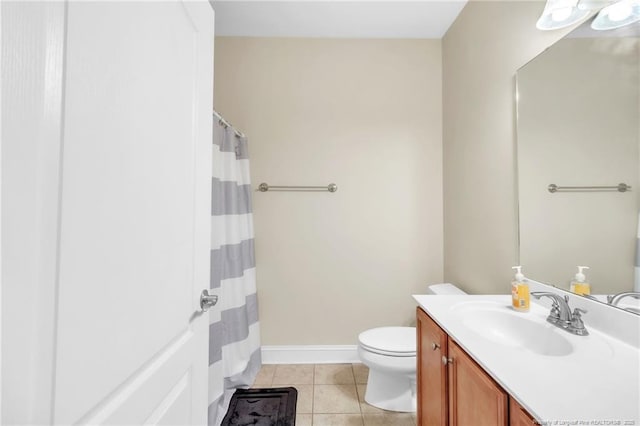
<point x="129" y="345"/>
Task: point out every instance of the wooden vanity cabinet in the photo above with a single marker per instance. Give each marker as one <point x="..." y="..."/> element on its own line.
<point x="518" y="416"/>
<point x="453" y="389"/>
<point x="432" y="373"/>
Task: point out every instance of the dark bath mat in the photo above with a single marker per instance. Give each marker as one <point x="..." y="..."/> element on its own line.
<point x="262" y="407"/>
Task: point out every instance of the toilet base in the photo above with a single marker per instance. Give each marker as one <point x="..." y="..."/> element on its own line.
<point x="391" y="392"/>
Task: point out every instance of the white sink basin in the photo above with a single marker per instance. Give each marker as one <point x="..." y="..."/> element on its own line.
<point x="501" y="324"/>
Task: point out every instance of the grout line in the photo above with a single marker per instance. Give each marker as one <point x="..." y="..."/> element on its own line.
<point x="273" y="376"/>
<point x="353" y="371"/>
<point x="313" y="394"/>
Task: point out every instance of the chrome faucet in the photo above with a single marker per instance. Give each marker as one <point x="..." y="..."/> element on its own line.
<point x="561" y="315"/>
<point x="615" y="298"/>
<point x="560" y="311"/>
<point x="588" y="296"/>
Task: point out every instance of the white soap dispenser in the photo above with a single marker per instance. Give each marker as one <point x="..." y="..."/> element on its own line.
<point x="579" y="284"/>
<point x="519" y="291"/>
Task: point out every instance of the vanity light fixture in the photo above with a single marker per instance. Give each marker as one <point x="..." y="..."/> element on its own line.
<point x="613" y="13"/>
<point x="561" y="13"/>
<point x="619" y="14"/>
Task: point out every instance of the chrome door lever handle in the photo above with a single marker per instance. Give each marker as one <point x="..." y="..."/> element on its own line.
<point x="207" y="300"/>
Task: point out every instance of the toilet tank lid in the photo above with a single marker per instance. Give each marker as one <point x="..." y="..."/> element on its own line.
<point x="390" y="339"/>
<point x="444" y="289"/>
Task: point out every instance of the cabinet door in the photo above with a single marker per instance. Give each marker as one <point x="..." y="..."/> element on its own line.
<point x="474" y="398"/>
<point x="432" y="373"/>
<point x="518" y="415"/>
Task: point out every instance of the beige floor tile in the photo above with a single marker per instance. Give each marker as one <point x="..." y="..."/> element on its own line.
<point x="361" y="373"/>
<point x="388" y="418"/>
<point x="342" y="399"/>
<point x="333" y="374"/>
<point x="299" y="374"/>
<point x="305" y="399"/>
<point x="364" y="407"/>
<point x="304" y="404"/>
<point x="337" y="420"/>
<point x="264" y="378"/>
<point x="304" y="419"/>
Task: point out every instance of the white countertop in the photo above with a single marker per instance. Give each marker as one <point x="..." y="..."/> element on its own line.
<point x="598" y="383"/>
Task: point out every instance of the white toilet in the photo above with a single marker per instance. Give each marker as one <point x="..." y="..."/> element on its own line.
<point x="390" y="354"/>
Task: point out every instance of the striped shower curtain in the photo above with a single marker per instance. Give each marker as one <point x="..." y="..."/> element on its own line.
<point x="234" y="335"/>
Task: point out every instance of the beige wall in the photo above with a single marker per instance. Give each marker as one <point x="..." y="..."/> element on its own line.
<point x="481" y="53"/>
<point x="367" y="115"/>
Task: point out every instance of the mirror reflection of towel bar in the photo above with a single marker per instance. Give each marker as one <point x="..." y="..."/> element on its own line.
<point x="264" y="187"/>
<point x="621" y="187"/>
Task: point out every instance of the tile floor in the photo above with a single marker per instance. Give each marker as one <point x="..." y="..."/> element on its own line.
<point x="330" y="395"/>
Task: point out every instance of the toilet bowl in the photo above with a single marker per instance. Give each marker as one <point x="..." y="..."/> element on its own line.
<point x="390" y="354"/>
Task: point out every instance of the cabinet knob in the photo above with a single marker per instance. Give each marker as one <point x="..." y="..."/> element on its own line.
<point x="446" y="360"/>
<point x="435" y="346"/>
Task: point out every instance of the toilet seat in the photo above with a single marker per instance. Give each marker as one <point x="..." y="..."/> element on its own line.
<point x="390" y="341"/>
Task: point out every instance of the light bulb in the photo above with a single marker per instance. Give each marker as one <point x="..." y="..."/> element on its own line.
<point x="561" y="14"/>
<point x="593" y="4"/>
<point x="617" y="15"/>
<point x="619" y="11"/>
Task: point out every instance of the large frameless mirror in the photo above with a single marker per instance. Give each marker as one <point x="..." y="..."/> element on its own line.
<point x="578" y="135"/>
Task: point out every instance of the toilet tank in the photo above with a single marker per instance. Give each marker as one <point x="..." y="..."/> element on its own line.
<point x="444" y="289"/>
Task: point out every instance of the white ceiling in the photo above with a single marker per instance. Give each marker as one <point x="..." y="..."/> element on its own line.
<point x="339" y="19"/>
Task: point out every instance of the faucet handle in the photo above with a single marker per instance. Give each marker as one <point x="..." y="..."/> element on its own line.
<point x="577" y="326"/>
<point x="555" y="312"/>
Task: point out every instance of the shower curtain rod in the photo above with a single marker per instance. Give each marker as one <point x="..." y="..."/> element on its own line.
<point x="225" y="123"/>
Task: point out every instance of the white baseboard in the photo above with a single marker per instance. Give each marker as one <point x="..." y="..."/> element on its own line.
<point x="310" y="354"/>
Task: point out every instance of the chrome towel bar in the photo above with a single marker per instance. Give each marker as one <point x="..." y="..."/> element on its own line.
<point x="264" y="187"/>
<point x="621" y="187"/>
